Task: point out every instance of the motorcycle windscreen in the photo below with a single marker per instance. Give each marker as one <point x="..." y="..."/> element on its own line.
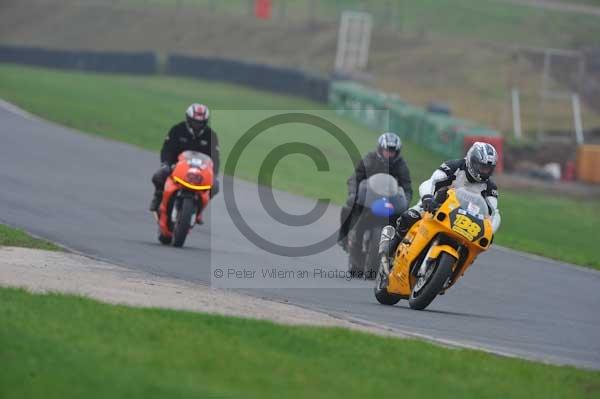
<point x="382" y="195"/>
<point x="472" y="202"/>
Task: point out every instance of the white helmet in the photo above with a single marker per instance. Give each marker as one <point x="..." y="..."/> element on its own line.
<point x="481" y="160"/>
<point x="196" y="118"/>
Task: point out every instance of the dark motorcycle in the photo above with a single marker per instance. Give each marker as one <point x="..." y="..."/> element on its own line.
<point x="380" y="202"/>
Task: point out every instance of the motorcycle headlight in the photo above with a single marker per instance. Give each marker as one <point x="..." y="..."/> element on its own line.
<point x="193" y="178"/>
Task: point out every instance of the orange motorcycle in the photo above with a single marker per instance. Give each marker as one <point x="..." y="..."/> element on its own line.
<point x="436" y="251"/>
<point x="185" y="196"/>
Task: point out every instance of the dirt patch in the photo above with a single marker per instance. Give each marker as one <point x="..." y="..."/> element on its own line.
<point x="45" y="271"/>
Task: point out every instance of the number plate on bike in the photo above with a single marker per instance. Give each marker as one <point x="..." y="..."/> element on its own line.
<point x="466" y="225"/>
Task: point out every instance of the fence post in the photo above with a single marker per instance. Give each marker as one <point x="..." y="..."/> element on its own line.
<point x="397" y="15"/>
<point x="282" y="9"/>
<point x="516" y="111"/>
<point x="577" y="118"/>
<point x="312" y="12"/>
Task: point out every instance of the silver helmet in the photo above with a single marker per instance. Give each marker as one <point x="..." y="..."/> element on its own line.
<point x="481" y="160"/>
<point x="389" y="142"/>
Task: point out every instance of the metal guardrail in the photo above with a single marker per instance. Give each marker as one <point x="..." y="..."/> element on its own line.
<point x="261" y="76"/>
<point x="267" y="77"/>
<point x="97" y="61"/>
<point x="441" y="133"/>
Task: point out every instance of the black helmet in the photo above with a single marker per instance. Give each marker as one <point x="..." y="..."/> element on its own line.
<point x="196" y="119"/>
<point x="389" y="142"/>
<point x="481" y="161"/>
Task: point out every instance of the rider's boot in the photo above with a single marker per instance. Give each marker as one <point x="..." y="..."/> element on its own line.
<point x="388" y="234"/>
<point x="156" y="199"/>
<point x="342" y="239"/>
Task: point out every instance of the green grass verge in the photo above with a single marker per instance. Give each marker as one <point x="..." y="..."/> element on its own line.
<point x="139" y="110"/>
<point x="553" y="227"/>
<point x="11" y="237"/>
<point x="63" y="346"/>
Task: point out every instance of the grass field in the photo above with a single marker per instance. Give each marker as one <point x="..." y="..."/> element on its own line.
<point x="12" y="237"/>
<point x="458" y="52"/>
<point x="139" y="110"/>
<point x="487" y="20"/>
<point x="63" y="346"/>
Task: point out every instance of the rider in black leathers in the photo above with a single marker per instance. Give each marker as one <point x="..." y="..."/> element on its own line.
<point x="193" y="134"/>
<point x="385" y="159"/>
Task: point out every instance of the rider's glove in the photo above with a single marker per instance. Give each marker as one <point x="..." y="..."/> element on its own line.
<point x="166" y="166"/>
<point x="429" y="203"/>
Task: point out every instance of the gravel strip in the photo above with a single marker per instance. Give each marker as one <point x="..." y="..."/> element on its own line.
<point x="44" y="271"/>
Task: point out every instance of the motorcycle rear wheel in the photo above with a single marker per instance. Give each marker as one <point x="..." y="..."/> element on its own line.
<point x="443" y="270"/>
<point x="182" y="226"/>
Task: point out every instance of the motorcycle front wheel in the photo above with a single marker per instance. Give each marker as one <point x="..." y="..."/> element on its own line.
<point x="430" y="285"/>
<point x="184" y="218"/>
<point x="371" y="265"/>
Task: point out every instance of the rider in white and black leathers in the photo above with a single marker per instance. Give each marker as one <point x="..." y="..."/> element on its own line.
<point x="473" y="171"/>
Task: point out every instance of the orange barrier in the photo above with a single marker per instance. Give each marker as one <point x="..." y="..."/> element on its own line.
<point x="262" y="9"/>
<point x="588" y="163"/>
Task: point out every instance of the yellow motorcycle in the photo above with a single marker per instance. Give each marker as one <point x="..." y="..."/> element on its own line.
<point x="436" y="251"/>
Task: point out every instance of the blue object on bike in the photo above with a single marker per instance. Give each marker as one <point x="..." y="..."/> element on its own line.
<point x="382" y="207"/>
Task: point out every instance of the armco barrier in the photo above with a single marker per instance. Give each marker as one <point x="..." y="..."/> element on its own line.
<point x="97" y="61"/>
<point x="440" y="133"/>
<point x="282" y="80"/>
<point x="353" y="100"/>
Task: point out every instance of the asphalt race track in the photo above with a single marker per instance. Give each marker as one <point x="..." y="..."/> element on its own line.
<point x="91" y="195"/>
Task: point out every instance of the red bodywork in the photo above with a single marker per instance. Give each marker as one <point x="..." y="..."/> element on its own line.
<point x="193" y="172"/>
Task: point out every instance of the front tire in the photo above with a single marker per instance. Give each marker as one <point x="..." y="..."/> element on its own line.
<point x="372" y="260"/>
<point x="182" y="226"/>
<point x="355" y="267"/>
<point x="420" y="299"/>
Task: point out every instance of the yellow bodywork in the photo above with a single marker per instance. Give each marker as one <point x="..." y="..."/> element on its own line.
<point x="463" y="229"/>
<point x="191" y="186"/>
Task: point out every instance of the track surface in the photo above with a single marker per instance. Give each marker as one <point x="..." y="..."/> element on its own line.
<point x="91" y="195"/>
